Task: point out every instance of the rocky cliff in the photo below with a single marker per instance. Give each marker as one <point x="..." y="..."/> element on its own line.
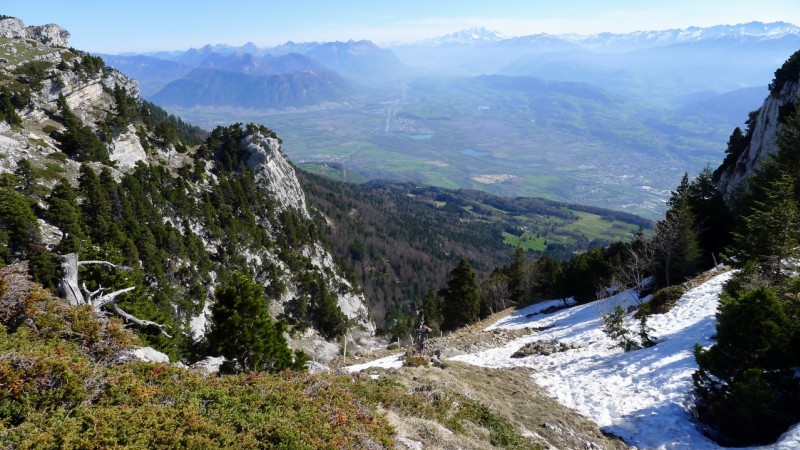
<point x="35" y="62"/>
<point x="763" y="128"/>
<point x="51" y="35"/>
<point x="274" y="173"/>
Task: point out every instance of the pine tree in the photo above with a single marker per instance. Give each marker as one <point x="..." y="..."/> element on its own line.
<point x="614" y="327"/>
<point x="462" y="302"/>
<point x="17" y="222"/>
<point x="432" y="310"/>
<point x="771" y="229"/>
<point x="677" y="249"/>
<point x="26" y="173"/>
<point x="711" y="216"/>
<point x="516" y="276"/>
<point x="745" y="383"/>
<point x="243" y="332"/>
<point x="96" y="206"/>
<point x="62" y="211"/>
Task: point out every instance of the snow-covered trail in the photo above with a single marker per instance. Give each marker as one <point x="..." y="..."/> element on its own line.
<point x="643" y="396"/>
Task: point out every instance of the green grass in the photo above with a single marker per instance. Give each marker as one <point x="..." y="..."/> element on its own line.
<point x="595" y="227"/>
<point x="526" y="241"/>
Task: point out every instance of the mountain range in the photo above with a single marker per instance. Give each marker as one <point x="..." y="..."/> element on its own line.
<point x="399" y="112"/>
<point x="210" y="248"/>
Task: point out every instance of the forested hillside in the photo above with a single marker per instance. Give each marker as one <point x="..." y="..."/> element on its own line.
<point x="401" y="240"/>
<point x="118" y="205"/>
<point x="747" y="385"/>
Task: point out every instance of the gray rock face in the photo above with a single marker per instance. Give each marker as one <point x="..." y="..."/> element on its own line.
<point x="762" y="144"/>
<point x="51" y="35"/>
<point x="273" y="172"/>
<point x="12" y="28"/>
<point x="126" y="150"/>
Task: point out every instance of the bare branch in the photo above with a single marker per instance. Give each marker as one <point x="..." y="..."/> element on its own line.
<point x="69" y="288"/>
<point x="109" y="298"/>
<point x="91" y="295"/>
<point x="137" y="321"/>
<point x="106" y="264"/>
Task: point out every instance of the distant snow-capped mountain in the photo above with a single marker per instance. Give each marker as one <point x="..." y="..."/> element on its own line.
<point x="474" y="35"/>
<point x="627" y="41"/>
<point x="639" y="39"/>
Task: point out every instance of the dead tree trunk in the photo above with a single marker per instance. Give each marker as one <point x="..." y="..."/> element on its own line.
<point x="68" y="285"/>
<point x="69" y="289"/>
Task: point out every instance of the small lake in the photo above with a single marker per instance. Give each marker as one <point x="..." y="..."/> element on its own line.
<point x="475" y="153"/>
<point x="420" y="137"/>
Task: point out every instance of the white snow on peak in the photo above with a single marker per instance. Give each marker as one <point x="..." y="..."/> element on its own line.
<point x="469" y="36"/>
<point x="643" y="396"/>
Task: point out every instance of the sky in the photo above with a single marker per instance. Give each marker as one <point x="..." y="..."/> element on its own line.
<point x="118" y="26"/>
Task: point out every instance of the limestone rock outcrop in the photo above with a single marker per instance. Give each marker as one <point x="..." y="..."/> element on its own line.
<point x="767" y="124"/>
<point x="274" y="173"/>
<point x="276" y="176"/>
<point x="126" y="150"/>
<point x="51" y="35"/>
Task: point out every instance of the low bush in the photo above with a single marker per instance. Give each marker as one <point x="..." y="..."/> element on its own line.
<point x="664" y="299"/>
<point x="64" y="384"/>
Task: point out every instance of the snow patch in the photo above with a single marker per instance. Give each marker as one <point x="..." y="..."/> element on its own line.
<point x="389" y="362"/>
<point x="643" y="396"/>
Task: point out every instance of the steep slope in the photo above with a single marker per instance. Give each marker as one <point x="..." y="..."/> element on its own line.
<point x="401" y="239"/>
<point x="185" y="218"/>
<point x="643" y="397"/>
<point x="73" y="383"/>
<point x="746" y="153"/>
<point x="222" y="88"/>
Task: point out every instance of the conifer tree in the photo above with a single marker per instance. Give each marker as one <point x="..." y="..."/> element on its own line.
<point x="462" y="303"/>
<point x="17" y="222"/>
<point x="432" y="310"/>
<point x="516" y="276"/>
<point x="243" y="332"/>
<point x="772" y="228"/>
<point x="96" y="206"/>
<point x="26" y="174"/>
<point x="746" y="385"/>
<point x="711" y="216"/>
<point x="62" y="211"/>
<point x="677" y="250"/>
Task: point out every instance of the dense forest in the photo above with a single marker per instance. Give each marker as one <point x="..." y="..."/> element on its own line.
<point x="157" y="222"/>
<point x="400" y="240"/>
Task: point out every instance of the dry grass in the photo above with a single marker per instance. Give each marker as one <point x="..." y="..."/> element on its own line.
<point x="508" y="393"/>
<point x="705" y="276"/>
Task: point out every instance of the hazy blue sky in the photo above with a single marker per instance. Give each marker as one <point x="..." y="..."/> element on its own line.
<point x="113" y="26"/>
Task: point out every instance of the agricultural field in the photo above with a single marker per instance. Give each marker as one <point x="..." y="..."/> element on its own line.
<point x="510" y="136"/>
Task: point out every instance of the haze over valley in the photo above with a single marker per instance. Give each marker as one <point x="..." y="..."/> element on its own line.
<point x="579" y="118"/>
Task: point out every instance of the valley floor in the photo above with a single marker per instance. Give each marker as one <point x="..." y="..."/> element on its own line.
<point x="642" y="396"/>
